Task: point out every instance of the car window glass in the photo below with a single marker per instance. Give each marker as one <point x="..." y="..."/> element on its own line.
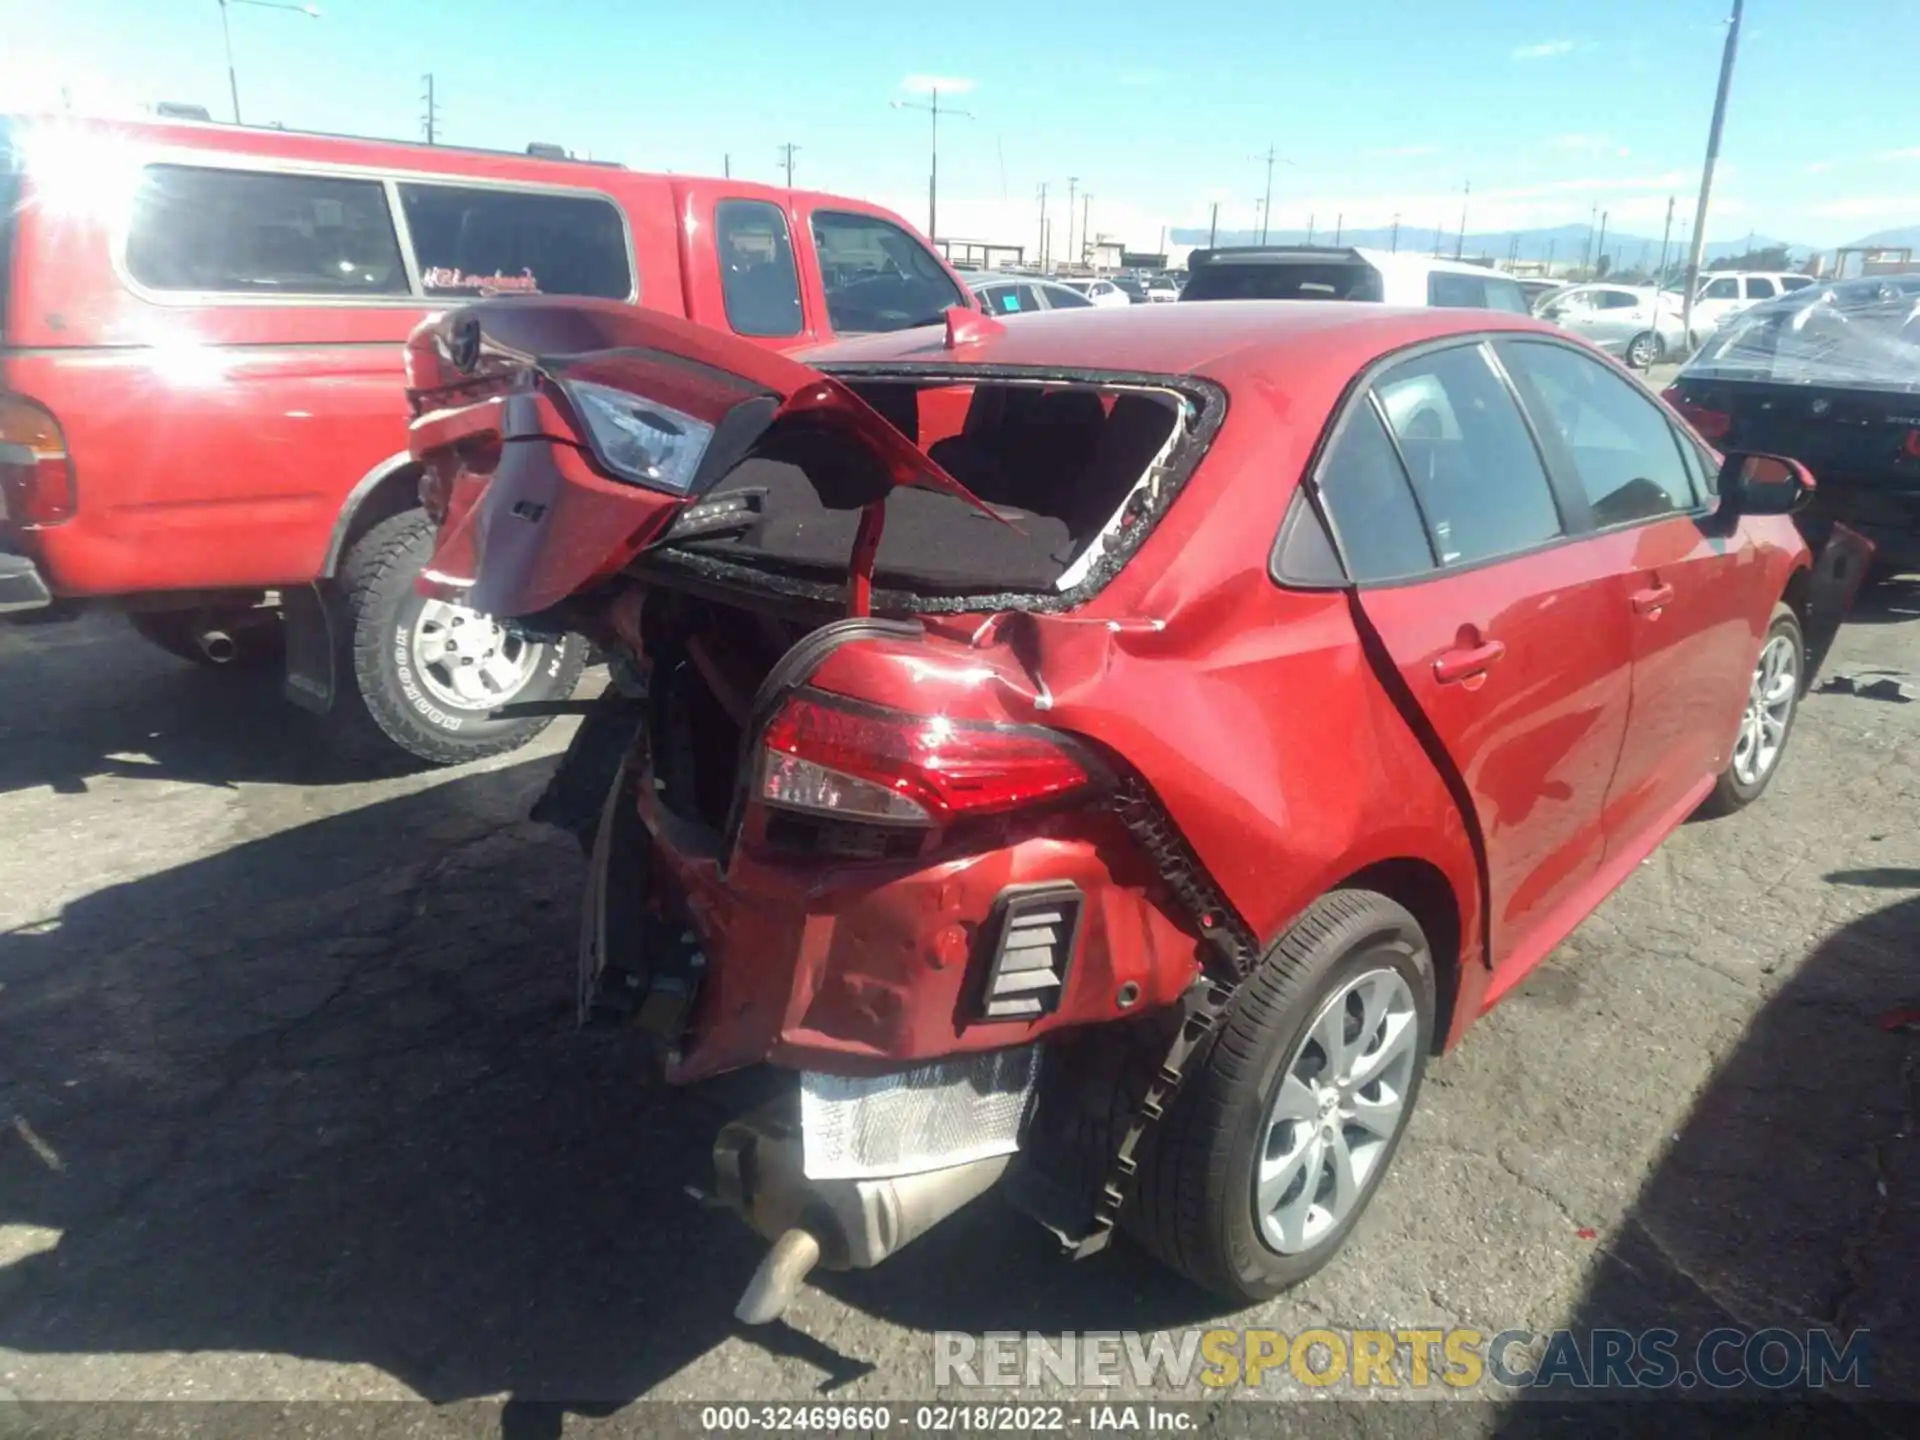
<point x="1059" y="297"/>
<point x="1727" y="289"/>
<point x="243" y="232"/>
<point x="473" y="241"/>
<point x="1475" y="470"/>
<point x="1503" y="294"/>
<point x="1462" y="291"/>
<point x="757" y="276"/>
<point x="1622" y="447"/>
<point x="1795" y="282"/>
<point x="877" y="276"/>
<point x="1618" y="300"/>
<point x="1759" y="289"/>
<point x="1373" y="511"/>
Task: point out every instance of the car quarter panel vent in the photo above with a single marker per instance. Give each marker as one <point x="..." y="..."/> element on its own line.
<point x="1033" y="936"/>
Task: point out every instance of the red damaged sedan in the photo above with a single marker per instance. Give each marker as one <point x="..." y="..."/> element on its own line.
<point x="1103" y="756"/>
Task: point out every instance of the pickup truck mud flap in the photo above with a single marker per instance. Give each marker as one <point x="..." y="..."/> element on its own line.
<point x="309" y="681"/>
<point x="1838" y="572"/>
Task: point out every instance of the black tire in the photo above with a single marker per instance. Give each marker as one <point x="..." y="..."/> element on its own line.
<point x="1645" y="350"/>
<point x="254" y="641"/>
<point x="380" y="702"/>
<point x="1193" y="1204"/>
<point x="1730" y="792"/>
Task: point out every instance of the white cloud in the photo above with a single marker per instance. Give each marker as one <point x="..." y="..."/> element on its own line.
<point x="1403" y="152"/>
<point x="1911" y="153"/>
<point x="1820" y="167"/>
<point x="1589" y="145"/>
<point x="1857" y="207"/>
<point x="1544" y="50"/>
<point x="945" y="84"/>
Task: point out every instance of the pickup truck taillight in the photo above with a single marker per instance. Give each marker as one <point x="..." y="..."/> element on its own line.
<point x="1709" y="423"/>
<point x="829" y="756"/>
<point x="36" y="473"/>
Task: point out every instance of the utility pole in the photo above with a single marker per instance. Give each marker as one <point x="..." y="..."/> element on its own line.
<point x="1550" y="245"/>
<point x="1213" y="225"/>
<point x="1439" y="241"/>
<point x="786" y="159"/>
<point x="726" y="166"/>
<point x="1266" y="205"/>
<point x="1460" y="244"/>
<point x="1086" y="235"/>
<point x="430" y="122"/>
<point x="1600" y="250"/>
<point x="1310" y="219"/>
<point x="1339" y="223"/>
<point x="934" y="112"/>
<point x="1042" y="251"/>
<point x="226" y="36"/>
<point x="1395" y="247"/>
<point x="1073" y="182"/>
<point x="1705" y="173"/>
<point x="1666" y="235"/>
<point x="1586" y="245"/>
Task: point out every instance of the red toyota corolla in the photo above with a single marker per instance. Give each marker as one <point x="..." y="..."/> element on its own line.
<point x="1103" y="755"/>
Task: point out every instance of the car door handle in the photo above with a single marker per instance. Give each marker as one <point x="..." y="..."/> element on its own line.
<point x="1652" y="601"/>
<point x="1457" y="665"/>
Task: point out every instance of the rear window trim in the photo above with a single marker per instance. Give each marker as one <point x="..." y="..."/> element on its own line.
<point x="1209" y="399"/>
<point x="187" y="157"/>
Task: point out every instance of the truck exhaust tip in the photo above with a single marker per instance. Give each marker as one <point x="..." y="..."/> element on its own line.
<point x="779" y="1278"/>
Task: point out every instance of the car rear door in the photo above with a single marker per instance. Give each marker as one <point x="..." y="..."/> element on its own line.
<point x="1686" y="584"/>
<point x="1507" y="644"/>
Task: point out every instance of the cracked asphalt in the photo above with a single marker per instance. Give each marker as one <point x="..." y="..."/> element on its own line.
<point x="291" y="1106"/>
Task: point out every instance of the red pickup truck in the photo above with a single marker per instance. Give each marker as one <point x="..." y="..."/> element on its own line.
<point x="201" y="332"/>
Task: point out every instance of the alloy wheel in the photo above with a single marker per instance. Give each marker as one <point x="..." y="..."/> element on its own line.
<point x="1770" y="701"/>
<point x="1340" y="1104"/>
<point x="469" y="660"/>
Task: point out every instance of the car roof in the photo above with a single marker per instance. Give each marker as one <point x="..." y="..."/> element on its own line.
<point x="1234" y="342"/>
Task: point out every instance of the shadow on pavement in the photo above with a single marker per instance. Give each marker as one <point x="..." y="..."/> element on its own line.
<point x="1791" y="1197"/>
<point x="88" y="697"/>
<point x="322" y="1096"/>
<point x="1890" y="602"/>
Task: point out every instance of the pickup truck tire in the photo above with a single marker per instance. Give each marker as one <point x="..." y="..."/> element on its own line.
<point x="1197" y="1205"/>
<point x="255" y="645"/>
<point x="1766" y="725"/>
<point x="387" y="698"/>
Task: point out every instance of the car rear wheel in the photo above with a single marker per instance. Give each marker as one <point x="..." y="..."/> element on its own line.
<point x="1288" y="1121"/>
<point x="1773" y="700"/>
<point x="427" y="675"/>
<point x="1645" y="349"/>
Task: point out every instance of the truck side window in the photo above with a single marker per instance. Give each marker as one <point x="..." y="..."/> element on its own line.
<point x="877" y="276"/>
<point x="755" y="255"/>
<point x="250" y="233"/>
<point x="472" y="241"/>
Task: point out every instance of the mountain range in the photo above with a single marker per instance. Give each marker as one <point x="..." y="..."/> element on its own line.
<point x="1560" y="243"/>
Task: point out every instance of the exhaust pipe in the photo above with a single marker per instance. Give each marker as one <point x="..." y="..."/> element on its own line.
<point x="843" y="1224"/>
<point x="217" y="646"/>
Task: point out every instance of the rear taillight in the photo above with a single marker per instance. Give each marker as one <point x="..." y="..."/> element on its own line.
<point x="36" y="473"/>
<point x="832" y="757"/>
<point x="1709" y="424"/>
<point x="1910" y="447"/>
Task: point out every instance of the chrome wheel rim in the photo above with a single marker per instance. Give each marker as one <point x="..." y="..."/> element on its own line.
<point x="1770" y="700"/>
<point x="467" y="659"/>
<point x="1641" y="352"/>
<point x="1340" y="1104"/>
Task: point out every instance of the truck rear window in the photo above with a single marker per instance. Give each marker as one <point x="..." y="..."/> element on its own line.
<point x="252" y="232"/>
<point x="1286" y="280"/>
<point x="472" y="240"/>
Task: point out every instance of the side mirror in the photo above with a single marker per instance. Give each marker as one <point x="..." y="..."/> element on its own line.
<point x="1763" y="484"/>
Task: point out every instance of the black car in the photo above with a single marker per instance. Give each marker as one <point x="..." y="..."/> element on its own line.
<point x="1829" y="375"/>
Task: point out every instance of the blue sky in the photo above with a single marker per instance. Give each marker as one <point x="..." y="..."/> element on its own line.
<point x="1382" y="106"/>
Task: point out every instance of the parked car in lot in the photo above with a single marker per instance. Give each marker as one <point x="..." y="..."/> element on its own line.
<point x="1216" y="705"/>
<point x="1831" y="376"/>
<point x="200" y="337"/>
<point x="1638" y="323"/>
<point x="1021" y="294"/>
<point x="1721" y="294"/>
<point x="1103" y="292"/>
<point x="1162" y="289"/>
<point x="1328" y="272"/>
<point x="1537" y="291"/>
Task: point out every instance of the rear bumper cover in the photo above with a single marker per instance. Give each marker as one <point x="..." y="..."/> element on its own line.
<point x="21" y="584"/>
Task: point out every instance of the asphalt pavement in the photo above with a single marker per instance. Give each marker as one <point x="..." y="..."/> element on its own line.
<point x="292" y="1107"/>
